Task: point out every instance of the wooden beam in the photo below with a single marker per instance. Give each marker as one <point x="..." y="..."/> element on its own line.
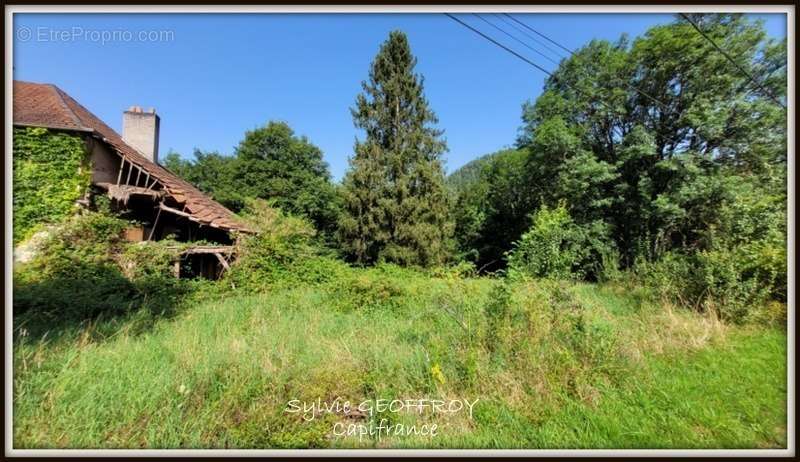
<point x="175" y="211"/>
<point x="222" y="261"/>
<point x="155" y="223"/>
<point x="138" y="175"/>
<point x="206" y="249"/>
<point x="121" y="166"/>
<point x="130" y="170"/>
<point x="114" y="189"/>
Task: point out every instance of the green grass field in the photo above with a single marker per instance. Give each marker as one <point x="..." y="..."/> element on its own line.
<point x="552" y="364"/>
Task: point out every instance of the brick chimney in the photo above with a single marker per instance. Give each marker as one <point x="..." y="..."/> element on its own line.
<point x="140" y="130"/>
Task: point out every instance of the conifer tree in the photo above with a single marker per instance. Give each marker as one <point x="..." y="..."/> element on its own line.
<point x="395" y="201"/>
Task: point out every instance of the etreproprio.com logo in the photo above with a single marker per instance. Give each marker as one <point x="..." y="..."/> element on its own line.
<point x="101" y="36"/>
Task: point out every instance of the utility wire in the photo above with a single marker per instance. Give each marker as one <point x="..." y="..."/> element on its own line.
<point x="559" y="54"/>
<point x="539" y="33"/>
<point x="515" y="38"/>
<point x="550" y="74"/>
<point x="732" y="61"/>
<point x="629" y="85"/>
<point x="499" y="44"/>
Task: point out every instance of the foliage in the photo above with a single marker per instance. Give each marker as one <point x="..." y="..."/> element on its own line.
<point x="472" y="213"/>
<point x="470" y="173"/>
<point x="469" y="218"/>
<point x="395" y="201"/>
<point x="507" y="207"/>
<point x="656" y="171"/>
<point x="270" y="163"/>
<point x="50" y="173"/>
<point x="280" y="242"/>
<point x="88" y="237"/>
<point x="212" y="173"/>
<point x="548" y="248"/>
<point x="362" y="290"/>
<point x="555" y="247"/>
<point x="84" y="269"/>
<point x="149" y="265"/>
<point x="662" y="151"/>
<point x="455" y="271"/>
<point x="274" y="163"/>
<point x="691" y="198"/>
<point x="73" y="273"/>
<point x="743" y="259"/>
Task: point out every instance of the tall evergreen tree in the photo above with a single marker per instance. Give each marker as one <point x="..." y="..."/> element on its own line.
<point x="395" y="201"/>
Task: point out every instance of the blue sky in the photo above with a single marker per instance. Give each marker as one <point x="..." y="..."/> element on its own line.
<point x="222" y="74"/>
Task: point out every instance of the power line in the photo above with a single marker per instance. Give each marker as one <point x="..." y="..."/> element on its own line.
<point x="499" y="44"/>
<point x="732" y="61"/>
<point x="539" y="33"/>
<point x="524" y="59"/>
<point x="629" y="85"/>
<point x="515" y="38"/>
<point x="526" y="34"/>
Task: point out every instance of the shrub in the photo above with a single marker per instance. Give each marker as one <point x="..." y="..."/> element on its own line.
<point x="556" y="247"/>
<point x="84" y="268"/>
<point x="752" y="229"/>
<point x="91" y="238"/>
<point x="367" y="290"/>
<point x="279" y="244"/>
<point x="462" y="269"/>
<point x="319" y="269"/>
<point x="149" y="266"/>
<point x="547" y="248"/>
<point x="74" y="272"/>
<point x="727" y="281"/>
<point x="541" y="332"/>
<point x="740" y="268"/>
<point x="497" y="315"/>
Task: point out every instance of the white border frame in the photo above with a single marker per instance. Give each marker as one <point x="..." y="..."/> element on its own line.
<point x="9" y="11"/>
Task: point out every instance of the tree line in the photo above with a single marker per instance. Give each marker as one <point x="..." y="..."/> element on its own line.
<point x="638" y="151"/>
<point x="392" y="205"/>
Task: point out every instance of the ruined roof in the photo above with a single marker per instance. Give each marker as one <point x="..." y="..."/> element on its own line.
<point x="45" y="105"/>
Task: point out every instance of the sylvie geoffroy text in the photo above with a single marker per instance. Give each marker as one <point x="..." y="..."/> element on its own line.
<point x="372" y="407"/>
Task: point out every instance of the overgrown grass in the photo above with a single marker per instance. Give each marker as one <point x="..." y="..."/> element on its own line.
<point x="553" y="365"/>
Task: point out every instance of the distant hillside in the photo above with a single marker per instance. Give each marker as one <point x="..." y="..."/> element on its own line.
<point x="470" y="172"/>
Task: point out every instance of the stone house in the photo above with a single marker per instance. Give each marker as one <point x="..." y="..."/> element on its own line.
<point x="126" y="169"/>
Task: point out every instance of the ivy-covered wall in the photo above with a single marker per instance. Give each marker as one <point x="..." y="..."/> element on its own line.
<point x="50" y="172"/>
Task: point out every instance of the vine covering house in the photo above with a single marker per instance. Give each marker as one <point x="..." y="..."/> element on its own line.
<point x="125" y="168"/>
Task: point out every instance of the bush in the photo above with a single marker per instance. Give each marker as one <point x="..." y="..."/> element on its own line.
<point x="74" y="273"/>
<point x="543" y="325"/>
<point x="547" y="249"/>
<point x="556" y="247"/>
<point x="729" y="282"/>
<point x="149" y="266"/>
<point x="460" y="270"/>
<point x="83" y="268"/>
<point x="741" y="266"/>
<point x="280" y="243"/>
<point x="91" y="238"/>
<point x="497" y="315"/>
<point x="752" y="230"/>
<point x="367" y="290"/>
<point x="319" y="269"/>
